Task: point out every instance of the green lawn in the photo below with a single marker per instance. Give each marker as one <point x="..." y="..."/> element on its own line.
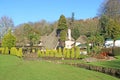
<point x="13" y="68"/>
<point x="111" y="64"/>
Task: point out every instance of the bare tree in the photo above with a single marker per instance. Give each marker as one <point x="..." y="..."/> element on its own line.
<point x="6" y="23"/>
<point x="111" y="8"/>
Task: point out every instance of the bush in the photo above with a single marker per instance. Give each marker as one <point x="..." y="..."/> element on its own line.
<point x="68" y="53"/>
<point x="6" y="50"/>
<point x="20" y="53"/>
<point x="55" y="53"/>
<point x="51" y="53"/>
<point x="39" y="53"/>
<point x="8" y="40"/>
<point x="13" y="51"/>
<point x="77" y="52"/>
<point x="59" y="53"/>
<point x="2" y="50"/>
<point x="47" y="53"/>
<point x="72" y="53"/>
<point x="64" y="53"/>
<point x="43" y="53"/>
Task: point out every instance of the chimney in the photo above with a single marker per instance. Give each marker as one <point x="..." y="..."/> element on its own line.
<point x="69" y="34"/>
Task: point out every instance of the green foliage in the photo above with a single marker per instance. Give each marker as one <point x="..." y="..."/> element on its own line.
<point x="75" y="33"/>
<point x="55" y="53"/>
<point x="47" y="52"/>
<point x="104" y="21"/>
<point x="59" y="52"/>
<point x="63" y="35"/>
<point x="33" y="50"/>
<point x="64" y="52"/>
<point x="62" y="24"/>
<point x="39" y="70"/>
<point x="42" y="54"/>
<point x="39" y="53"/>
<point x="52" y="53"/>
<point x="6" y="50"/>
<point x="77" y="52"/>
<point x="97" y="42"/>
<point x="20" y="53"/>
<point x="2" y="50"/>
<point x="8" y="40"/>
<point x="31" y="34"/>
<point x="68" y="53"/>
<point x="13" y="51"/>
<point x="114" y="29"/>
<point x="72" y="53"/>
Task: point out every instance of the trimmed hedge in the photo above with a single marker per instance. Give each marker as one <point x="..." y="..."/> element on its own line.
<point x="13" y="51"/>
<point x="65" y="53"/>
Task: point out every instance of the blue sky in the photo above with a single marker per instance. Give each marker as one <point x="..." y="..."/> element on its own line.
<point x="22" y="11"/>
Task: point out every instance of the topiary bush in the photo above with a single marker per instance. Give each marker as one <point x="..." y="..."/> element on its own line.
<point x="64" y="52"/>
<point x="20" y="53"/>
<point x="59" y="52"/>
<point x="39" y="53"/>
<point x="47" y="53"/>
<point x="6" y="50"/>
<point x="13" y="51"/>
<point x="8" y="40"/>
<point x="77" y="52"/>
<point x="68" y="53"/>
<point x="72" y="53"/>
<point x="2" y="50"/>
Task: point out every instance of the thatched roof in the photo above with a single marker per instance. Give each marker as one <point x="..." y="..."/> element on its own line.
<point x="82" y="39"/>
<point x="50" y="41"/>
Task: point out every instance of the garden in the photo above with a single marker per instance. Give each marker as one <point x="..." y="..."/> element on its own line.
<point x="14" y="68"/>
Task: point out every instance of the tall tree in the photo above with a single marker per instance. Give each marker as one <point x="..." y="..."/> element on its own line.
<point x="111" y="8"/>
<point x="62" y="24"/>
<point x="75" y="33"/>
<point x="61" y="30"/>
<point x="8" y="40"/>
<point x="113" y="29"/>
<point x="31" y="34"/>
<point x="104" y="22"/>
<point x="6" y="23"/>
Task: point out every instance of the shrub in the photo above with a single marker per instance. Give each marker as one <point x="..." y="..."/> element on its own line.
<point x="77" y="52"/>
<point x="68" y="53"/>
<point x="13" y="51"/>
<point x="59" y="52"/>
<point x="64" y="53"/>
<point x="52" y="53"/>
<point x="72" y="53"/>
<point x="2" y="50"/>
<point x="20" y="53"/>
<point x="47" y="53"/>
<point x="6" y="50"/>
<point x="55" y="53"/>
<point x="33" y="50"/>
<point x="8" y="40"/>
<point x="39" y="53"/>
<point x="42" y="53"/>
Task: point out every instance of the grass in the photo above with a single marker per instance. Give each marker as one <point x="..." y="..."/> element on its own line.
<point x="13" y="68"/>
<point x="110" y="64"/>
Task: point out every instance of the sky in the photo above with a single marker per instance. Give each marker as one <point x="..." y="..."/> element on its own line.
<point x="22" y="11"/>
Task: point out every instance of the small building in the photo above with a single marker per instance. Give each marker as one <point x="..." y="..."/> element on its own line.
<point x="81" y="40"/>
